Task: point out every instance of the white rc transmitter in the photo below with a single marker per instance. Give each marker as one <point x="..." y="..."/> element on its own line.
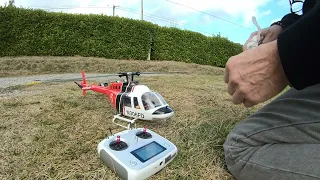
<point x="136" y="154"/>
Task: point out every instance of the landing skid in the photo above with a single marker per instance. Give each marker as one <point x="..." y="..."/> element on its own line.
<point x="129" y="121"/>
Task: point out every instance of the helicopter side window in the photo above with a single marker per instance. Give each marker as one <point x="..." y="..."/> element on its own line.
<point x="136" y="104"/>
<point x="145" y="105"/>
<point x="127" y="101"/>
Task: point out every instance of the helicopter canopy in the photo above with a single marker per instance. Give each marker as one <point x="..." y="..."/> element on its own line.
<point x="151" y="100"/>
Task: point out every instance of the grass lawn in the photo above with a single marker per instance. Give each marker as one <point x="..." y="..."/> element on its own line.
<point x="51" y="131"/>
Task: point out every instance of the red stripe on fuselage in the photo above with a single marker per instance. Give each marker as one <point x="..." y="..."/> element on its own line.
<point x="115" y="89"/>
<point x="111" y="91"/>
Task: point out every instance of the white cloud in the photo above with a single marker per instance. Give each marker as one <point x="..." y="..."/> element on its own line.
<point x="237" y="11"/>
<point x="265" y="13"/>
<point x="3" y="2"/>
<point x="87" y="7"/>
<point x="182" y="22"/>
<point x="235" y="8"/>
<point x="261" y="15"/>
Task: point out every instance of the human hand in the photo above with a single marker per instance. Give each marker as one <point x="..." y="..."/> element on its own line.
<point x="267" y="35"/>
<point x="255" y="75"/>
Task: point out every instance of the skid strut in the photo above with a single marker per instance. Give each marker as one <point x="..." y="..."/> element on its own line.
<point x="129" y="121"/>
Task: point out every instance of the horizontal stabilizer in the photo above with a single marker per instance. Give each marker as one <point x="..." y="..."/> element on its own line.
<point x="80" y="86"/>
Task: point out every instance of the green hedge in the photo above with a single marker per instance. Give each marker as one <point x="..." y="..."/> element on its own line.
<point x="188" y="46"/>
<point x="37" y="32"/>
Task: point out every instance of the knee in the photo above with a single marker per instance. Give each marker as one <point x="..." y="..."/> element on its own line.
<point x="232" y="149"/>
<point x="237" y="151"/>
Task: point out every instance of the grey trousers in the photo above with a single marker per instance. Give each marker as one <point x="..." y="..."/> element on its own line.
<point x="281" y="141"/>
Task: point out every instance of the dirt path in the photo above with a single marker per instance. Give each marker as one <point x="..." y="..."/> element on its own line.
<point x="14" y="86"/>
<point x="25" y="80"/>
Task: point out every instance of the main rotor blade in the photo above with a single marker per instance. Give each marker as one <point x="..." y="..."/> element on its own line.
<point x="88" y="76"/>
<point x="74" y="79"/>
<point x="170" y="72"/>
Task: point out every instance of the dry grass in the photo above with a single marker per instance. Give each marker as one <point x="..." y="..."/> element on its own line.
<point x="17" y="66"/>
<point x="55" y="133"/>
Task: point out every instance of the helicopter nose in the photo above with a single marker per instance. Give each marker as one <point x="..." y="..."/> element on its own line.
<point x="163" y="110"/>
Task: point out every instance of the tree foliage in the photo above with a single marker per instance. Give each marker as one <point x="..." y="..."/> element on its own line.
<point x="31" y="32"/>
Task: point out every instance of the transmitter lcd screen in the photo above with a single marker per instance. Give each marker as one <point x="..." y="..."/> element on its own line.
<point x="148" y="151"/>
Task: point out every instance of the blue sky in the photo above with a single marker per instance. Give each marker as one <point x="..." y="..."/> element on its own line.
<point x="230" y="18"/>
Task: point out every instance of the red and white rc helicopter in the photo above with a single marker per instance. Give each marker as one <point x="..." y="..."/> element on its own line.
<point x="131" y="100"/>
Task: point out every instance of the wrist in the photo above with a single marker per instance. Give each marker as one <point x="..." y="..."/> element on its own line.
<point x="277" y="60"/>
<point x="278" y="24"/>
<point x="275" y="51"/>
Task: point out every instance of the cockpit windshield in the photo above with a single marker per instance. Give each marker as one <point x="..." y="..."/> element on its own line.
<point x="161" y="98"/>
<point x="152" y="100"/>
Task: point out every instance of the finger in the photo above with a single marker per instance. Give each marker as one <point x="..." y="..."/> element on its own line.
<point x="226" y="75"/>
<point x="237" y="97"/>
<point x="266" y="39"/>
<point x="261" y="41"/>
<point x="247" y="103"/>
<point x="231" y="88"/>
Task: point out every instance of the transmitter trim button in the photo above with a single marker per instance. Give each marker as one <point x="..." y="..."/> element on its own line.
<point x="133" y="162"/>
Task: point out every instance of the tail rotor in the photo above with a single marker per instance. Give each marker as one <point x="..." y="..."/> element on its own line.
<point x="83" y="85"/>
<point x="83" y="77"/>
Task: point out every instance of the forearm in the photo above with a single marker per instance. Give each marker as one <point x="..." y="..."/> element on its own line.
<point x="297" y="46"/>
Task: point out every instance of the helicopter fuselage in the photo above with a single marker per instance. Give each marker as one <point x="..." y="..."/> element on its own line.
<point x="133" y="100"/>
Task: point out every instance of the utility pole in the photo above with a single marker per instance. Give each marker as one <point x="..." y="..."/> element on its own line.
<point x="141" y="9"/>
<point x="114" y="9"/>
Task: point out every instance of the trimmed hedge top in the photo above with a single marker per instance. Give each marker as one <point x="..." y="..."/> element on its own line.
<point x="36" y="32"/>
